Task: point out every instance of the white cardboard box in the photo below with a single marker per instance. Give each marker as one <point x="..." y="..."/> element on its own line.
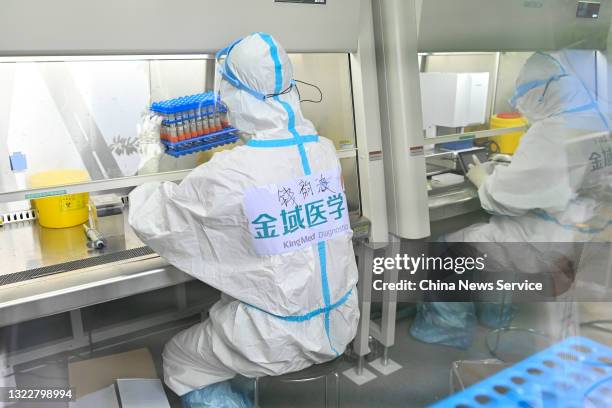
<point x="142" y="393"/>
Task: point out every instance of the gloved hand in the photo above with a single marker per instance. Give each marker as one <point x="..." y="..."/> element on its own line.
<point x="478" y="172"/>
<point x="149" y="146"/>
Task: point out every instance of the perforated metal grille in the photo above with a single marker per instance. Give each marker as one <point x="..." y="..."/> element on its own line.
<point x="74" y="265"/>
<point x="19" y="216"/>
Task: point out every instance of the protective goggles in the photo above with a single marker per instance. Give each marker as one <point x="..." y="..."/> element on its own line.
<point x="528" y="86"/>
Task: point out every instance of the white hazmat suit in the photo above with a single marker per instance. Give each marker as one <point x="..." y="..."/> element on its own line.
<point x="554" y="191"/>
<point x="286" y="304"/>
<point x="545" y="194"/>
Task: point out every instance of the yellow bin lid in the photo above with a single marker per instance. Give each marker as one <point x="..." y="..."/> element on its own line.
<point x="57" y="177"/>
<point x="508" y="119"/>
<point x="60" y="211"/>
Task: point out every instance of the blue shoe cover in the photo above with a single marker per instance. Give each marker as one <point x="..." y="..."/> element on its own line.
<point x="446" y="323"/>
<point x="496" y="315"/>
<point x="220" y="395"/>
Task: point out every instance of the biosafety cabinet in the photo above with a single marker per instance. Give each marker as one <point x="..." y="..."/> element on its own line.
<point x="427" y="122"/>
<point x="75" y="80"/>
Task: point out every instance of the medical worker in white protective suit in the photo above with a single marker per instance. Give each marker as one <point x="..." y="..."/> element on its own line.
<point x="554" y="191"/>
<point x="282" y="310"/>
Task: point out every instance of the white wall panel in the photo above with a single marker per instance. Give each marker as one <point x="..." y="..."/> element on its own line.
<point x="80" y="27"/>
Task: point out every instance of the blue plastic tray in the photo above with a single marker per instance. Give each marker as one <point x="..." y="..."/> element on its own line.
<point x="184" y="103"/>
<point x="575" y="373"/>
<point x="201" y="143"/>
<point x="458" y="145"/>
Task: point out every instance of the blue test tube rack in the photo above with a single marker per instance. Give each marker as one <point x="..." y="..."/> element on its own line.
<point x="574" y="373"/>
<point x="193" y="123"/>
<point x="201" y="143"/>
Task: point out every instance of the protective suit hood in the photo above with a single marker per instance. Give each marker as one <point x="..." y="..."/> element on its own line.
<point x="257" y="87"/>
<point x="547" y="87"/>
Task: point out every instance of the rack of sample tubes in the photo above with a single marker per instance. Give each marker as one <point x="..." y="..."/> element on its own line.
<point x="193" y="123"/>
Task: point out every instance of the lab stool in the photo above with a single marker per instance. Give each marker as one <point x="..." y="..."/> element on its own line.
<point x="327" y="371"/>
<point x="493" y="337"/>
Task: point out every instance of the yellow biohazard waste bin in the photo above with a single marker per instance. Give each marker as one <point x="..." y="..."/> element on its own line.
<point x="60" y="211"/>
<point x="509" y="142"/>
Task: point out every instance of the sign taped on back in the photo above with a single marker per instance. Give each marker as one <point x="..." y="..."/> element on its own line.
<point x="294" y="214"/>
<point x="590" y="156"/>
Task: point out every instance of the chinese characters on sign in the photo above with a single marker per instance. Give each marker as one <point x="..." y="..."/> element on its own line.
<point x="600" y="153"/>
<point x="287" y="216"/>
<point x="602" y="159"/>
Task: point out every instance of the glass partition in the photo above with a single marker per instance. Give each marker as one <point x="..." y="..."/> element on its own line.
<point x="83" y="113"/>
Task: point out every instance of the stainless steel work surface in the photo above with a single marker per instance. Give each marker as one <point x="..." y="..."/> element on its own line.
<point x="48" y="271"/>
<point x="451" y="195"/>
<point x="62" y="292"/>
<point x="29" y="251"/>
<point x="78" y="277"/>
<point x="26" y="246"/>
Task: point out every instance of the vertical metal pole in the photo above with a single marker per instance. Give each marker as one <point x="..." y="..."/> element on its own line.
<point x="360" y="364"/>
<point x="359" y="374"/>
<point x="364" y="287"/>
<point x="389" y="306"/>
<point x="337" y="390"/>
<point x="385" y="358"/>
<point x="256" y="393"/>
<point x="386" y="334"/>
<point x="326" y="391"/>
